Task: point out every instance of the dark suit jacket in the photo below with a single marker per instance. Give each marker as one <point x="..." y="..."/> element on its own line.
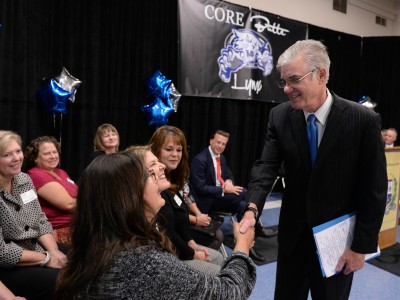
<point x="349" y="173"/>
<point x="203" y="176"/>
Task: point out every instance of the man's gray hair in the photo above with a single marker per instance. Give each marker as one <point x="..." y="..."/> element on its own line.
<point x="314" y="53"/>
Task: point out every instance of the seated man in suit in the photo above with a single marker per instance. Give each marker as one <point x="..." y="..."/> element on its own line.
<point x="212" y="186"/>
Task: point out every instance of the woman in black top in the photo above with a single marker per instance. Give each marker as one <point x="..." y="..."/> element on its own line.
<point x="168" y="143"/>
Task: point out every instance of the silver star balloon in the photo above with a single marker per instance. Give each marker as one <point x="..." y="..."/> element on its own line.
<point x="68" y="82"/>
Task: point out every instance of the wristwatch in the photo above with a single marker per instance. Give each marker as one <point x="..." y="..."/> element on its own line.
<point x="253" y="210"/>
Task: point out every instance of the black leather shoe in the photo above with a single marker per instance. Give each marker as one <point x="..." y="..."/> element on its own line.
<point x="254" y="255"/>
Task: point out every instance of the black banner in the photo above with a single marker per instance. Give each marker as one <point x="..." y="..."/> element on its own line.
<point x="230" y="51"/>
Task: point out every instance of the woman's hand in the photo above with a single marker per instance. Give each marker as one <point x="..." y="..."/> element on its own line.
<point x="244" y="241"/>
<point x="202" y="255"/>
<point x="202" y="248"/>
<point x="203" y="220"/>
<point x="58" y="259"/>
<point x="199" y="255"/>
<point x="201" y="252"/>
<point x="6" y="294"/>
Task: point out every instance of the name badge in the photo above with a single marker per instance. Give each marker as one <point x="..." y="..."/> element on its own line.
<point x="28" y="196"/>
<point x="178" y="200"/>
<point x="70" y="181"/>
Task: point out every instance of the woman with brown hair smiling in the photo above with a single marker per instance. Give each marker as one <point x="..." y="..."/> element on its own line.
<point x="118" y="251"/>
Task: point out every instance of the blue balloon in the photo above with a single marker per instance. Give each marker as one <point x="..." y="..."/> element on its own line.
<point x="367" y="102"/>
<point x="53" y="97"/>
<point x="157" y="112"/>
<point x="158" y="85"/>
<point x="362" y="99"/>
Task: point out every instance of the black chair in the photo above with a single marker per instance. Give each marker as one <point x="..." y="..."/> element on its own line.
<point x="222" y="214"/>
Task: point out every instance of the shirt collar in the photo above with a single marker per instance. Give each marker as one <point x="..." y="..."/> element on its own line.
<point x="213" y="155"/>
<point x="322" y="113"/>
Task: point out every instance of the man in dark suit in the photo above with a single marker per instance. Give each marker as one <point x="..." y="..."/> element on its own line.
<point x="335" y="165"/>
<point x="211" y="182"/>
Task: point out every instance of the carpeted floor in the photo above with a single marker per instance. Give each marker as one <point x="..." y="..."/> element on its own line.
<point x="267" y="247"/>
<point x="389" y="260"/>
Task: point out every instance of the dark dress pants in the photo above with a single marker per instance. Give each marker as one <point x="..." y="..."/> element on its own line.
<point x="232" y="203"/>
<point x="33" y="283"/>
<point x="30" y="282"/>
<point x="299" y="272"/>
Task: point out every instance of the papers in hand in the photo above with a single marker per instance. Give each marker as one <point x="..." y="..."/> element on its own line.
<point x="333" y="239"/>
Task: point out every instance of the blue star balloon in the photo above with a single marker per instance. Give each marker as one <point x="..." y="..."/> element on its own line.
<point x="53" y="97"/>
<point x="158" y="85"/>
<point x="157" y="112"/>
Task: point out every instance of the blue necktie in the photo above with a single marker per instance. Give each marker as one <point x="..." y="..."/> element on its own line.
<point x="312" y="134"/>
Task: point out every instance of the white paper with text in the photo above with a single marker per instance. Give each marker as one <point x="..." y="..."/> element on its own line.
<point x="333" y="239"/>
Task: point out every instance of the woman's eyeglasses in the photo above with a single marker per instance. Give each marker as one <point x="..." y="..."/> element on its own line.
<point x="153" y="175"/>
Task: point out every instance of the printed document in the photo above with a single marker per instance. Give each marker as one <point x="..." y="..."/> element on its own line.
<point x="333" y="239"/>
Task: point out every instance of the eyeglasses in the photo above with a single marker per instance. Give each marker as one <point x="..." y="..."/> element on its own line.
<point x="292" y="80"/>
<point x="152" y="175"/>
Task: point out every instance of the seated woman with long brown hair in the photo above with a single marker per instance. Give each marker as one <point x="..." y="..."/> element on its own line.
<point x="118" y="251"/>
<point x="153" y="164"/>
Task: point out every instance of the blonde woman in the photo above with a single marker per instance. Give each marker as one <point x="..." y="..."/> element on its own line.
<point x="29" y="255"/>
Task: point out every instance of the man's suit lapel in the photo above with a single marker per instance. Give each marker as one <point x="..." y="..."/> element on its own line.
<point x="211" y="166"/>
<point x="334" y="129"/>
<point x="298" y="125"/>
<point x="335" y="125"/>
